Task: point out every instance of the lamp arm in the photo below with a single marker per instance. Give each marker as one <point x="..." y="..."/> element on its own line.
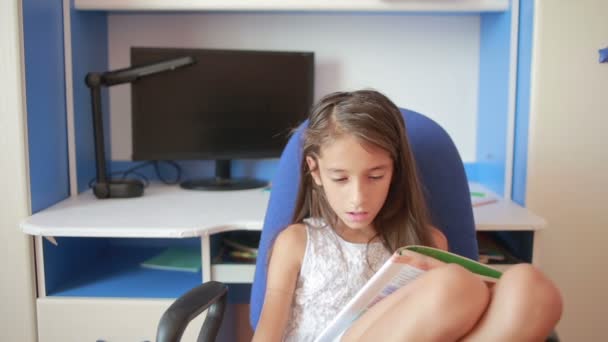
<point x="100" y="153"/>
<point x="132" y="74"/>
<point x="104" y="187"/>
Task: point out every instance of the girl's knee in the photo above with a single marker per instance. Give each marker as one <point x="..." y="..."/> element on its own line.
<point x="457" y="283"/>
<point x="530" y="285"/>
<point x="533" y="297"/>
<point x="457" y="280"/>
<point x="459" y="296"/>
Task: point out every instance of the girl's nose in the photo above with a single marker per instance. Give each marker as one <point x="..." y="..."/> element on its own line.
<point x="357" y="193"/>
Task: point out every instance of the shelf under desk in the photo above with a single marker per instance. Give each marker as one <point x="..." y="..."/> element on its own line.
<point x="117" y="273"/>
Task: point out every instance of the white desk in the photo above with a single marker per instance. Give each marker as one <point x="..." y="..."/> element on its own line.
<point x="171" y="212"/>
<point x="162" y="212"/>
<point x="503" y="214"/>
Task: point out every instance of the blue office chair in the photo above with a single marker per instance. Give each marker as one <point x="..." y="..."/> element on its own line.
<point x="441" y="172"/>
<point x="446" y="189"/>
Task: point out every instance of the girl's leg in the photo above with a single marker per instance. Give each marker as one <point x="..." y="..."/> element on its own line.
<point x="525" y="306"/>
<point x="441" y="305"/>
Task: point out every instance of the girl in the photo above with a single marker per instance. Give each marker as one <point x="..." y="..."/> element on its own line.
<point x="351" y="214"/>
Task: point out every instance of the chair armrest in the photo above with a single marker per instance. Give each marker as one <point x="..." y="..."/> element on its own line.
<point x="210" y="295"/>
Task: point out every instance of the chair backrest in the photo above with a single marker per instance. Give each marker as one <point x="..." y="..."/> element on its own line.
<point x="442" y="174"/>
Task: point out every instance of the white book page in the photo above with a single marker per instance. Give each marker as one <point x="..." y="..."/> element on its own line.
<point x="391" y="276"/>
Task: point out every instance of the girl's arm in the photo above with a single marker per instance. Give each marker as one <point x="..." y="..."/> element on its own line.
<point x="285" y="262"/>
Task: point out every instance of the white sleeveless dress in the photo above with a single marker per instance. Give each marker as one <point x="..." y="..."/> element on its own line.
<point x="332" y="272"/>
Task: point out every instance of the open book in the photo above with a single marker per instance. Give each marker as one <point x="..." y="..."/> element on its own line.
<point x="395" y="273"/>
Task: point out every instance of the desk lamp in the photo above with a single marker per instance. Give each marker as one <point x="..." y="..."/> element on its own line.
<point x="120" y="188"/>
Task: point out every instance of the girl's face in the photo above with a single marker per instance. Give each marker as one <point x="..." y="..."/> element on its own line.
<point x="356" y="179"/>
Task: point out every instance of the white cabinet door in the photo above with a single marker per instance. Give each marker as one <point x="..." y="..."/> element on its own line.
<point x="108" y="320"/>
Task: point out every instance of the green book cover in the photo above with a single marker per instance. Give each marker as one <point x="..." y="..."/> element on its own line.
<point x="186" y="259"/>
<point x="447" y="257"/>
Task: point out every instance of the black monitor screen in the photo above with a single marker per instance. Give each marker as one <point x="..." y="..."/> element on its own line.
<point x="229" y="104"/>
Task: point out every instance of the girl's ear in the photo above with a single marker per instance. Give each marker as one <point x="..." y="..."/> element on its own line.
<point x="313" y="167"/>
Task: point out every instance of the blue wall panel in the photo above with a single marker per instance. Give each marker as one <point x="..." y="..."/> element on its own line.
<point x="522" y="243"/>
<point x="89" y="53"/>
<point x="493" y="99"/>
<point x="490" y="168"/>
<point x="522" y="109"/>
<point x="45" y="94"/>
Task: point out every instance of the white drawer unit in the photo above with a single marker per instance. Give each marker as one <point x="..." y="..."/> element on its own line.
<point x="104" y="319"/>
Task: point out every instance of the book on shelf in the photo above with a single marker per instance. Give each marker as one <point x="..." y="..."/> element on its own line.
<point x="398" y="271"/>
<point x="239" y="246"/>
<point x="480" y="198"/>
<point x="492" y="252"/>
<point x="184" y="259"/>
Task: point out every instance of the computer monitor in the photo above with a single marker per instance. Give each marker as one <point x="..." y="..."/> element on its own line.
<point x="231" y="104"/>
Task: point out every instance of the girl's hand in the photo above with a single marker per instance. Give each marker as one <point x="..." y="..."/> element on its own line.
<point x="418" y="260"/>
<point x="426" y="263"/>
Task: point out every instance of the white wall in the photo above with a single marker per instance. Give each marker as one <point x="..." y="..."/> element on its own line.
<point x="568" y="158"/>
<point x="17" y="294"/>
<point x="425" y="63"/>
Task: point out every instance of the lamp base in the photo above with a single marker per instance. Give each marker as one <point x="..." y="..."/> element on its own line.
<point x="123" y="188"/>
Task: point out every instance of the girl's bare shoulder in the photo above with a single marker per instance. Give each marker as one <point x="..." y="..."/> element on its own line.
<point x="294" y="233"/>
<point x="439" y="238"/>
<point x="291" y="243"/>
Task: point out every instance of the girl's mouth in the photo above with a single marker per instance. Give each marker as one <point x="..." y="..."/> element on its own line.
<point x="357" y="216"/>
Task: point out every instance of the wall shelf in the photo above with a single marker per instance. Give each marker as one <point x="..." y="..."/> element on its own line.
<point x="297" y="5"/>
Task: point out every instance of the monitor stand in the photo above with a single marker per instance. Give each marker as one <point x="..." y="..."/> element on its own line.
<point x="222" y="180"/>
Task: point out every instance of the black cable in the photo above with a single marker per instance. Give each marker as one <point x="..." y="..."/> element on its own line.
<point x="156" y="163"/>
<point x="132" y="170"/>
<point x="139" y="175"/>
<point x="178" y="171"/>
<point x="122" y="175"/>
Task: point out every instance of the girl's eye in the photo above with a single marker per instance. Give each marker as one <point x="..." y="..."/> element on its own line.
<point x="376" y="177"/>
<point x="339" y="180"/>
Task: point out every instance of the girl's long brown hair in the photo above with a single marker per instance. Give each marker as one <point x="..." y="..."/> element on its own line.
<point x="373" y="119"/>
